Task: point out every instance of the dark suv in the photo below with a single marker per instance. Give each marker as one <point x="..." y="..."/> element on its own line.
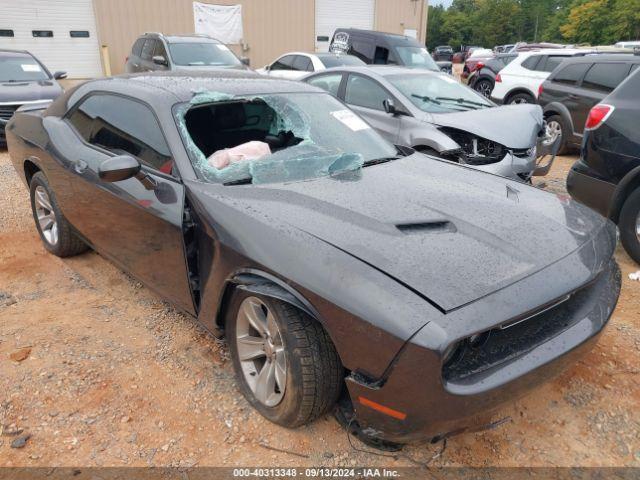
<point x="607" y="176"/>
<point x="443" y="53"/>
<point x="483" y="78"/>
<point x="155" y="51"/>
<point x="574" y="87"/>
<point x="382" y="48"/>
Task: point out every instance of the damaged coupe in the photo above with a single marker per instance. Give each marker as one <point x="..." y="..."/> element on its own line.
<point x="346" y="273"/>
<point x="434" y="114"/>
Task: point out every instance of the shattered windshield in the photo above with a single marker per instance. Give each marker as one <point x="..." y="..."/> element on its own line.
<point x="276" y="137"/>
<point x="438" y="93"/>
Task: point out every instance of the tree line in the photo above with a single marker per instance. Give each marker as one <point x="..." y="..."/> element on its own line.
<point x="497" y="22"/>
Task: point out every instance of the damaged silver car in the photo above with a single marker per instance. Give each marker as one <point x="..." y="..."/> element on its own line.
<point x="433" y="113"/>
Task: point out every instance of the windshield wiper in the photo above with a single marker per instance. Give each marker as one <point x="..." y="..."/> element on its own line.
<point x="377" y="161"/>
<point x="463" y="101"/>
<point x="424" y="98"/>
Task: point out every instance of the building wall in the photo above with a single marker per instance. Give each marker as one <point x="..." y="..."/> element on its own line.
<point x="271" y="27"/>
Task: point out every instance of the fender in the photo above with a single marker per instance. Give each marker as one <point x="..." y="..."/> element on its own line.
<point x="263" y="283"/>
<point x="629" y="183"/>
<point x="559" y="109"/>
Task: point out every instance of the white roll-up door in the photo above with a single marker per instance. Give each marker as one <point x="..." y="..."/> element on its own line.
<point x="332" y="14"/>
<point x="61" y="33"/>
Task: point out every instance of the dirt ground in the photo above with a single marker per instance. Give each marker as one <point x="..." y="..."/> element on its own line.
<point x="113" y="376"/>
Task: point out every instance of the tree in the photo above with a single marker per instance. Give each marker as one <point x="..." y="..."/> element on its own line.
<point x="625" y="20"/>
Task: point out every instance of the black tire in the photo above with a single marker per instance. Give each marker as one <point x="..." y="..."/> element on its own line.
<point x="564" y="146"/>
<point x="629" y="218"/>
<point x="315" y="375"/>
<point x="521" y="98"/>
<point x="484" y="87"/>
<point x="68" y="243"/>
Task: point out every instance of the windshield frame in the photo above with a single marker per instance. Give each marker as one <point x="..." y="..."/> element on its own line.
<point x="26" y="55"/>
<point x="170" y="52"/>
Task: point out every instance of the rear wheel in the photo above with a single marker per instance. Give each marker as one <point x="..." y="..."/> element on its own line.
<point x="484" y="87"/>
<point x="285" y="363"/>
<point x="521" y="98"/>
<point x="630" y="225"/>
<point x="55" y="231"/>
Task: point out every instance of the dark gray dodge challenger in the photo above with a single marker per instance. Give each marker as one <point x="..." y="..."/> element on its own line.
<point x="413" y="294"/>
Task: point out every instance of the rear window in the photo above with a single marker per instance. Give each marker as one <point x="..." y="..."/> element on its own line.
<point x="202" y="54"/>
<point x="330" y="61"/>
<point x="551" y="63"/>
<point x="531" y="62"/>
<point x="571" y="74"/>
<point x="605" y="77"/>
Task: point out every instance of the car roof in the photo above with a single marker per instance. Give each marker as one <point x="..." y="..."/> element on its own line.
<point x="182" y="38"/>
<point x="390" y="37"/>
<point x="184" y="86"/>
<point x="5" y="52"/>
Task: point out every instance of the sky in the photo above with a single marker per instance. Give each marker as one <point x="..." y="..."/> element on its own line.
<point x="446" y="3"/>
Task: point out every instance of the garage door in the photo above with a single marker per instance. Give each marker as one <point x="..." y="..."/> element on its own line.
<point x="61" y="33"/>
<point x="332" y="14"/>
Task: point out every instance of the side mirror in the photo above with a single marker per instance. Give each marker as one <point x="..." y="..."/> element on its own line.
<point x="245" y="61"/>
<point x="267" y="68"/>
<point x="116" y="169"/>
<point x="389" y="106"/>
<point x="159" y="60"/>
<point x="59" y="75"/>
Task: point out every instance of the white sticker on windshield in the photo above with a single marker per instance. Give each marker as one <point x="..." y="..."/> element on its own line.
<point x="350" y="119"/>
<point x="222" y="47"/>
<point x="30" y="67"/>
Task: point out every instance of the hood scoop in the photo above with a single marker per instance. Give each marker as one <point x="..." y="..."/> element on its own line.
<point x="439" y="226"/>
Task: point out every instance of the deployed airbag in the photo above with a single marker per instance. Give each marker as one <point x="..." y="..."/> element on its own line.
<point x="252" y="150"/>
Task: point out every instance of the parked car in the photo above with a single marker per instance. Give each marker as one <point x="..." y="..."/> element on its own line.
<point x="483" y="77"/>
<point x="424" y="341"/>
<point x="527" y="47"/>
<point x="443" y="53"/>
<point x="574" y="88"/>
<point x="295" y="65"/>
<point x="607" y="175"/>
<point x="382" y="48"/>
<point x="631" y="45"/>
<point x="476" y="60"/>
<point x="433" y="113"/>
<point x="159" y="52"/>
<point x="24" y="80"/>
<point x="520" y="80"/>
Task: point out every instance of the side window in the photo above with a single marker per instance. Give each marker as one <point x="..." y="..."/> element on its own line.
<point x="137" y="47"/>
<point x="531" y="62"/>
<point x="330" y="83"/>
<point x="302" y="63"/>
<point x="147" y="49"/>
<point x="552" y="61"/>
<point x="362" y="49"/>
<point x="123" y="126"/>
<point x="381" y="56"/>
<point x="284" y="63"/>
<point x="160" y="50"/>
<point x="364" y="92"/>
<point x="571" y="74"/>
<point x="605" y="77"/>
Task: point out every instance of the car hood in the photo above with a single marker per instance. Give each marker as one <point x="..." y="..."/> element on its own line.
<point x="29" y="91"/>
<point x="514" y="126"/>
<point x="449" y="233"/>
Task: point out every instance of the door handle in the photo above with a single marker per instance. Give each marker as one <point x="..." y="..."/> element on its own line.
<point x="80" y="166"/>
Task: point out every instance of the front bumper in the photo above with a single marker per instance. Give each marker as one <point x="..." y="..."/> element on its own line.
<point x="511" y="166"/>
<point x="435" y="404"/>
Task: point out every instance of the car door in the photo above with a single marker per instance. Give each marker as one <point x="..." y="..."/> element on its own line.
<point x="139" y="229"/>
<point x="365" y="95"/>
<point x="146" y="64"/>
<point x="160" y="51"/>
<point x="563" y="88"/>
<point x="599" y="81"/>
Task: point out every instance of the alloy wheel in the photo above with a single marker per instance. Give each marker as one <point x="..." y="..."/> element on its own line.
<point x="261" y="351"/>
<point x="553" y="131"/>
<point x="484" y="89"/>
<point x="46" y="216"/>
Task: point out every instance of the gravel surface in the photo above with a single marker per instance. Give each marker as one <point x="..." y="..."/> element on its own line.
<point x="97" y="370"/>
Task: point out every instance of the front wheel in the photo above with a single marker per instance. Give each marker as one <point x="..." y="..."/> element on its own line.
<point x="284" y="361"/>
<point x="55" y="231"/>
<point x="630" y="225"/>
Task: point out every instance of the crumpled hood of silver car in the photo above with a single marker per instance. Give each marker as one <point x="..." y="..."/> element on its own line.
<point x="445" y="231"/>
<point x="514" y="126"/>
